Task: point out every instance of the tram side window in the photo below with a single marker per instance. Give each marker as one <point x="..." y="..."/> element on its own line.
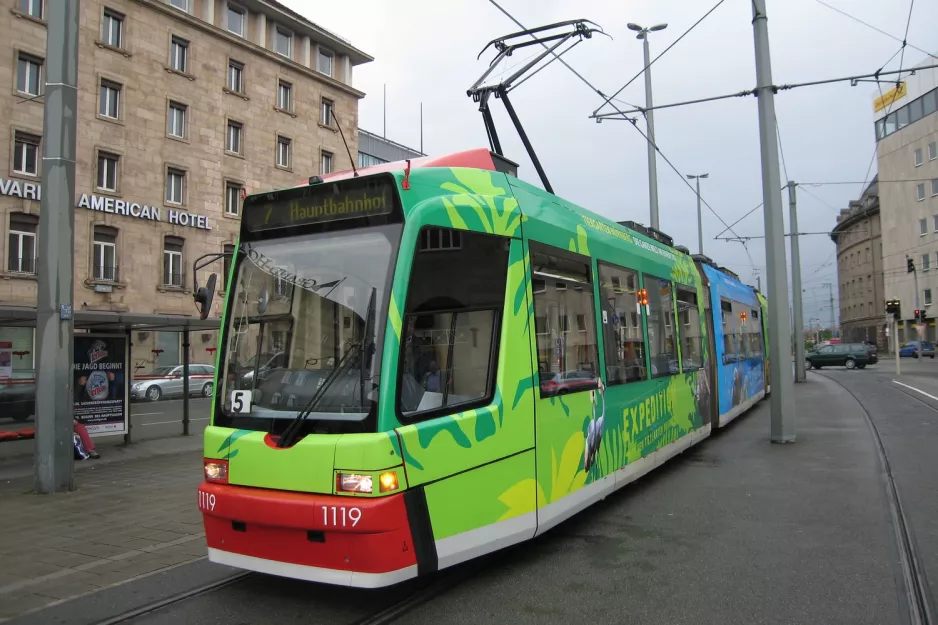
<point x="661" y="346"/>
<point x="689" y="328"/>
<point x="451" y="323"/>
<point x="730" y="347"/>
<point x="756" y="344"/>
<point x="622" y="325"/>
<point x="565" y="321"/>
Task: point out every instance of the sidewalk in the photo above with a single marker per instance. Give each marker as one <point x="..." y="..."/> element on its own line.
<point x="133" y="513"/>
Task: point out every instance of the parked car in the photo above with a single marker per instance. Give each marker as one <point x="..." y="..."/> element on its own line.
<point x="850" y="355"/>
<point x="910" y="350"/>
<point x="168" y="382"/>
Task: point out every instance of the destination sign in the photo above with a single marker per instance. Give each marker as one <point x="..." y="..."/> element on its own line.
<point x="319" y="204"/>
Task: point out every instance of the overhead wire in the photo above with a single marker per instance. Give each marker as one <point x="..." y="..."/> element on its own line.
<point x="652" y="62"/>
<point x="634" y="124"/>
<point x="879" y="30"/>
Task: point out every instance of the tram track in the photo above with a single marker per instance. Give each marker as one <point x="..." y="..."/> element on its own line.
<point x="417" y="593"/>
<point x="914" y="584"/>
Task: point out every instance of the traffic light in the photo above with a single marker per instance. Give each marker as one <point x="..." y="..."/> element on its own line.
<point x="893" y="306"/>
<point x="918" y="314"/>
<point x="909" y="265"/>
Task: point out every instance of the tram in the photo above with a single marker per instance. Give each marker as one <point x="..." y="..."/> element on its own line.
<point x="424" y="362"/>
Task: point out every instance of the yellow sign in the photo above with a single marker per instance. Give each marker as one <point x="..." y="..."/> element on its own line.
<point x="889" y="97"/>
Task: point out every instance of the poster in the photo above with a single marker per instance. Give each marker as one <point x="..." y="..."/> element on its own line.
<point x="100" y="383"/>
<point x="6" y="359"/>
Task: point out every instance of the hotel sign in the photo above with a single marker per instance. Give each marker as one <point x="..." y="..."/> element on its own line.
<point x="115" y="206"/>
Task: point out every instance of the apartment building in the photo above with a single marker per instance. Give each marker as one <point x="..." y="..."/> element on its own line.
<point x="858" y="238"/>
<point x="184" y="107"/>
<point x="906" y="124"/>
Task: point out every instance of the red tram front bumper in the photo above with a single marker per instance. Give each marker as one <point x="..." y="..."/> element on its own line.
<point x="350" y="541"/>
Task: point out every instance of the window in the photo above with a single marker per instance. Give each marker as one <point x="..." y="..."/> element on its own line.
<point x="915" y="110"/>
<point x="928" y="297"/>
<point x="934" y="187"/>
<point x="236" y="20"/>
<point x="22" y="243"/>
<point x="326" y="62"/>
<point x="104" y="263"/>
<point x="920" y="191"/>
<point x="932" y="150"/>
<point x="930" y="102"/>
<point x="182" y="5"/>
<point x="935" y="219"/>
<point x="439" y="239"/>
<point x="32" y="8"/>
<point x="449" y="356"/>
<point x="284" y="95"/>
<point x="176" y="120"/>
<point x="283" y="42"/>
<point x="233" y="137"/>
<point x="869" y="282"/>
<point x="567" y="358"/>
<point x="622" y="325"/>
<point x="902" y="115"/>
<point x="662" y="349"/>
<point x="172" y="261"/>
<point x="107" y="171"/>
<point x="922" y="226"/>
<point x="175" y="185"/>
<point x="284" y="152"/>
<point x="918" y="157"/>
<point x="688" y="316"/>
<point x="179" y="55"/>
<point x="926" y="258"/>
<point x="325" y="165"/>
<point x="232" y="198"/>
<point x="112" y="28"/>
<point x="29" y="74"/>
<point x="367" y="160"/>
<point x="26" y="154"/>
<point x="110" y="100"/>
<point x="325" y="112"/>
<point x="235" y="77"/>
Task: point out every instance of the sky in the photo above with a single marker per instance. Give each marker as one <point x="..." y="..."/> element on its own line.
<point x="425" y="52"/>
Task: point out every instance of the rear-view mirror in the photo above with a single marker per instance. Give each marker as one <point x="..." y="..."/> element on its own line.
<point x="204" y="295"/>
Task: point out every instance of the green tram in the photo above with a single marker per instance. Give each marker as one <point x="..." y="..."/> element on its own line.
<point x="422" y="363"/>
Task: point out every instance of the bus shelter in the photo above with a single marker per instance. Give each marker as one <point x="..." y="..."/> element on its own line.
<point x="88" y="323"/>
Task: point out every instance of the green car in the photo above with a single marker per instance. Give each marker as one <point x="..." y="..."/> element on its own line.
<point x="850" y="355"/>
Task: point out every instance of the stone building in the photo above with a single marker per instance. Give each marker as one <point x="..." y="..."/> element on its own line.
<point x="858" y="238"/>
<point x="184" y="106"/>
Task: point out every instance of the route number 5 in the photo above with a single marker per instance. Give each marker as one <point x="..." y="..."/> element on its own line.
<point x="240" y="402"/>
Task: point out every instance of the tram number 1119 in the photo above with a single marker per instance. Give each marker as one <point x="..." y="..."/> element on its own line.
<point x="340" y="516"/>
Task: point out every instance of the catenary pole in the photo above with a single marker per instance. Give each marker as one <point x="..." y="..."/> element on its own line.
<point x="54" y="463"/>
<point x="798" y="333"/>
<point x="781" y="401"/>
<point x="652" y="146"/>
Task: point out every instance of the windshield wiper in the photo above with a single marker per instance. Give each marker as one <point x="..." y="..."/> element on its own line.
<point x="368" y="341"/>
<point x="366" y="345"/>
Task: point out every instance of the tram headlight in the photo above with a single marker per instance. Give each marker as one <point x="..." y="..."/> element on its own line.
<point x="354" y="483"/>
<point x="216" y="470"/>
<point x="388" y="482"/>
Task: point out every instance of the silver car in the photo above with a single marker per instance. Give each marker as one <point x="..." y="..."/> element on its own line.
<point x="167" y="382"/>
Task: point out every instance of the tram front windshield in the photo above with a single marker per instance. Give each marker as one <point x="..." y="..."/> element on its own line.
<point x="304" y="326"/>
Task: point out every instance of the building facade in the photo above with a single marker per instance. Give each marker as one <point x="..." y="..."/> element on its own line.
<point x="858" y="238"/>
<point x="907" y="152"/>
<point x="184" y="106"/>
<point x="373" y="150"/>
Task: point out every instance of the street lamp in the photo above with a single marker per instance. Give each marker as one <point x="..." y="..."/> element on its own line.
<point x="697" y="177"/>
<point x="650" y="117"/>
